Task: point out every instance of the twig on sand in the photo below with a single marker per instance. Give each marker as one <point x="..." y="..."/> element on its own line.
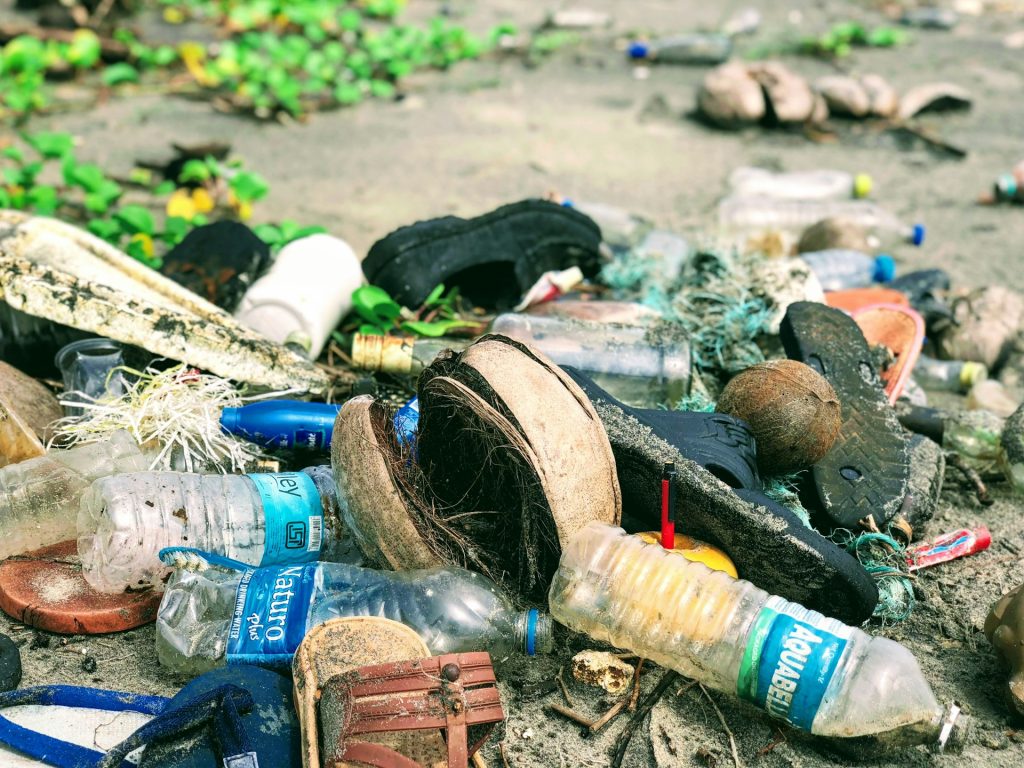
<point x="642" y="711"/>
<point x="721" y="719"/>
<point x="954" y="459"/>
<point x="478" y="761"/>
<point x="572" y="714"/>
<point x="504" y="758"/>
<point x="635" y="695"/>
<point x="565" y="690"/>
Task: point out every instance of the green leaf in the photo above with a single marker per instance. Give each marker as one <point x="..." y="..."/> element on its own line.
<point x="175" y="229"/>
<point x="16" y="154"/>
<point x="435" y="294"/>
<point x="105" y="229"/>
<point x="164" y="188"/>
<point x="43" y="199"/>
<point x="435" y="328"/>
<point x="371" y="330"/>
<point x="382" y="89"/>
<point x="5" y="199"/>
<point x="348" y="93"/>
<point x="88" y="176"/>
<point x="375" y="305"/>
<point x="136" y="219"/>
<point x="84" y="50"/>
<point x="269" y="234"/>
<point x="249" y="187"/>
<point x="194" y="171"/>
<point x="119" y="73"/>
<point x="52" y="145"/>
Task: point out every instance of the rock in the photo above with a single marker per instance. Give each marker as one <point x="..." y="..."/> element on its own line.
<point x="730" y="97"/>
<point x="602" y="669"/>
<point x="985" y="324"/>
<point x="844" y="95"/>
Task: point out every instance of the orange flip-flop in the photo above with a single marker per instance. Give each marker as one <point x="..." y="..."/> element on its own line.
<point x="45" y="589"/>
<point x="899" y="328"/>
<point x="853" y="299"/>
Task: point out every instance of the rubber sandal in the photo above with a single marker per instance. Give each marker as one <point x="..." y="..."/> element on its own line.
<point x="770" y="546"/>
<point x="867" y="471"/>
<point x="494" y="258"/>
<point x="852" y="299"/>
<point x="900" y="330"/>
<point x="45" y="589"/>
<point x="925" y="289"/>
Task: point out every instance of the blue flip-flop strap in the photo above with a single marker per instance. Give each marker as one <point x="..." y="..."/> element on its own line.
<point x="54" y="751"/>
<point x="199" y="711"/>
<point x="232" y="738"/>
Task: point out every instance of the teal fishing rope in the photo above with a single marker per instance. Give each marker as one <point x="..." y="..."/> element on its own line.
<point x="888" y="568"/>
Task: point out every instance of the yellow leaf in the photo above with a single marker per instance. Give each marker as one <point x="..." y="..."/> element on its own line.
<point x="147" y="243"/>
<point x="245" y="211"/>
<point x="202" y="202"/>
<point x="194" y="56"/>
<point x="182" y="205"/>
<point x="174" y="15"/>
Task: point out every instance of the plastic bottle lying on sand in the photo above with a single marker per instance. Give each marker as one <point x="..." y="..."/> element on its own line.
<point x="753" y="215"/>
<point x="231" y="614"/>
<point x="838" y="269"/>
<point x="798" y="185"/>
<point x="125" y="520"/>
<point x="401" y="355"/>
<point x="948" y="375"/>
<point x="814" y="672"/>
<point x="692" y="48"/>
<point x="38" y="497"/>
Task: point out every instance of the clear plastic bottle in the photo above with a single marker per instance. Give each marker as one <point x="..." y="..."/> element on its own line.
<point x="125" y="520"/>
<point x="38" y="496"/>
<point x="402" y="355"/>
<point x="754" y="215"/>
<point x="691" y="48"/>
<point x="798" y="185"/>
<point x="814" y="672"/>
<point x="219" y="615"/>
<point x="838" y="268"/>
<point x="948" y="375"/>
<point x="629" y="361"/>
<point x="975" y="435"/>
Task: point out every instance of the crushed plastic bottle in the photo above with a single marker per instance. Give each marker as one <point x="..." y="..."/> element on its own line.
<point x="261" y="519"/>
<point x="816" y="673"/>
<point x="283" y="424"/>
<point x="38" y="496"/>
<point x="798" y="185"/>
<point x="692" y="48"/>
<point x="838" y="269"/>
<point x="948" y="375"/>
<point x="628" y="361"/>
<point x="231" y="614"/>
<point x="757" y="215"/>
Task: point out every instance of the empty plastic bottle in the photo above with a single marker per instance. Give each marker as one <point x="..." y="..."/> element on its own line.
<point x="838" y="269"/>
<point x="798" y="185"/>
<point x="629" y="361"/>
<point x="692" y="48"/>
<point x="228" y="613"/>
<point x="814" y="672"/>
<point x="974" y="435"/>
<point x="38" y="496"/>
<point x="261" y="519"/>
<point x="930" y="17"/>
<point x="283" y="423"/>
<point x="752" y="215"/>
<point x="403" y="355"/>
<point x="948" y="375"/>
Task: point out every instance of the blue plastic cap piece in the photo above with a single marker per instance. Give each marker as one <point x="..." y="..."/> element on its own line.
<point x="885" y="268"/>
<point x="638" y="50"/>
<point x="531" y="631"/>
<point x="917" y="237"/>
<point x="229" y="419"/>
<point x="567" y="203"/>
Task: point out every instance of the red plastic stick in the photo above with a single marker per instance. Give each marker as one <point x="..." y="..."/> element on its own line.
<point x="668" y="498"/>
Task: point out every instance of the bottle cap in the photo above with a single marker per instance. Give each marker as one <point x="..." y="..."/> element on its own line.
<point x="538" y="636"/>
<point x="862" y="184"/>
<point x="229" y="418"/>
<point x="387" y="354"/>
<point x="638" y="50"/>
<point x="917" y="234"/>
<point x="972" y="373"/>
<point x="885" y="268"/>
<point x="1006" y="187"/>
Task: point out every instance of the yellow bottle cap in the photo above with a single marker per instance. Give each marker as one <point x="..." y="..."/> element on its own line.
<point x="972" y="373"/>
<point x="696" y="551"/>
<point x="862" y="185"/>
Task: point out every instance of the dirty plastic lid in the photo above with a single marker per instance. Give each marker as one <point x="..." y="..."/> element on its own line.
<point x="917" y="234"/>
<point x="972" y="373"/>
<point x="862" y="184"/>
<point x="885" y="268"/>
<point x="638" y="50"/>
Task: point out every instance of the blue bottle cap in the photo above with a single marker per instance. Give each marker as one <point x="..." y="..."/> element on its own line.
<point x="638" y="50"/>
<point x="568" y="203"/>
<point x="885" y="268"/>
<point x="229" y="419"/>
<point x="531" y="631"/>
<point x="917" y="236"/>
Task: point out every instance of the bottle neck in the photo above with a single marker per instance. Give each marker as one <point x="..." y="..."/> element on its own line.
<point x="534" y="633"/>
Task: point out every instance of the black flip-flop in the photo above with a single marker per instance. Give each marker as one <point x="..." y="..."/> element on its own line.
<point x="494" y="258"/>
<point x="866" y="474"/>
<point x="770" y="545"/>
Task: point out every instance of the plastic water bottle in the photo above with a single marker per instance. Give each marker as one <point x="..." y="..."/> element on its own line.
<point x="260" y="615"/>
<point x="283" y="423"/>
<point x="38" y="496"/>
<point x="752" y="215"/>
<point x="948" y="375"/>
<point x="975" y="435"/>
<point x="261" y="519"/>
<point x="693" y="48"/>
<point x="304" y="294"/>
<point x="401" y="355"/>
<point x="798" y="185"/>
<point x="838" y="268"/>
<point x="627" y="360"/>
<point x="814" y="672"/>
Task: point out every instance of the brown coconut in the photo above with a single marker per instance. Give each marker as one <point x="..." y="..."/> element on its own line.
<point x="730" y="97"/>
<point x="844" y="95"/>
<point x="792" y="410"/>
<point x="789" y="97"/>
<point x="883" y="97"/>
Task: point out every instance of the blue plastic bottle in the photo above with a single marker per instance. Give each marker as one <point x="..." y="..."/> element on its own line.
<point x="283" y="423"/>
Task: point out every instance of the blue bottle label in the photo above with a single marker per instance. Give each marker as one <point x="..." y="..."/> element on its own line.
<point x="293" y="517"/>
<point x="271" y="612"/>
<point x="309" y="439"/>
<point x="789" y="663"/>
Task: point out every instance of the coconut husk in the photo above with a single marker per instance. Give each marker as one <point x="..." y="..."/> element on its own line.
<point x="883" y="97"/>
<point x="844" y="95"/>
<point x="730" y="97"/>
<point x="788" y="97"/>
<point x="985" y="324"/>
<point x="934" y="97"/>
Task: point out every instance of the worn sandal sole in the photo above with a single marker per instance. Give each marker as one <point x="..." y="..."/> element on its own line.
<point x="866" y="474"/>
<point x="770" y="546"/>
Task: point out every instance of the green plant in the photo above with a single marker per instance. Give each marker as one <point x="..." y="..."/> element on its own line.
<point x="438" y="316"/>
